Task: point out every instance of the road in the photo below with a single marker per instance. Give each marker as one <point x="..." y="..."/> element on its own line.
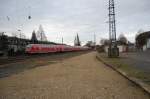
<point x="79" y="77"/>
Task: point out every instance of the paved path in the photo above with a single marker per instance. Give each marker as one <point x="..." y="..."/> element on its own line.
<point x="80" y="77"/>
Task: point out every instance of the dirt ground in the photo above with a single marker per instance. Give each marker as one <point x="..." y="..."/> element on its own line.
<point x="80" y="77"/>
<point x="34" y="61"/>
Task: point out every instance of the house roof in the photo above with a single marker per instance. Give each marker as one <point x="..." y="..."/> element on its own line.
<point x="141" y="39"/>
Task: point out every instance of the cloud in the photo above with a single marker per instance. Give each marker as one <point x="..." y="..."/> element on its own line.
<point x="65" y="18"/>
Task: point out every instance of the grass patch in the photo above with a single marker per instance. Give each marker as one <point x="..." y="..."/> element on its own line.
<point x="119" y="63"/>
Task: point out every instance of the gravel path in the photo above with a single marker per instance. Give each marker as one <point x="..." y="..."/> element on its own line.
<point x="80" y="77"/>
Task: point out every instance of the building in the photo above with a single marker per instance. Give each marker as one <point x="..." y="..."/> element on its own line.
<point x="77" y="41"/>
<point x="123" y="46"/>
<point x="122" y="43"/>
<point x="143" y="41"/>
<point x="10" y="45"/>
<point x="90" y="44"/>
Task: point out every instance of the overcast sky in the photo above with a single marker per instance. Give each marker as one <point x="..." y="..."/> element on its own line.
<point x="68" y="17"/>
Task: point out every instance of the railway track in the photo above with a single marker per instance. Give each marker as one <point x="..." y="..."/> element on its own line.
<point x="19" y="64"/>
<point x="14" y="59"/>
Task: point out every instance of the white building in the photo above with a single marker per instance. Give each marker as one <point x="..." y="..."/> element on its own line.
<point x="143" y="41"/>
<point x="147" y="45"/>
<point x="122" y="48"/>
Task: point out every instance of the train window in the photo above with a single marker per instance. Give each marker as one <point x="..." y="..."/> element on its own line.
<point x="28" y="46"/>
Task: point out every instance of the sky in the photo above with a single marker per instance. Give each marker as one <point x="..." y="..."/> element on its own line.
<point x="66" y="18"/>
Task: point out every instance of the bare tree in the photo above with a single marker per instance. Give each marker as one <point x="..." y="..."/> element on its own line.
<point x="34" y="38"/>
<point x="140" y="31"/>
<point x="40" y="34"/>
<point x="104" y="41"/>
<point x="15" y="34"/>
<point x="122" y="39"/>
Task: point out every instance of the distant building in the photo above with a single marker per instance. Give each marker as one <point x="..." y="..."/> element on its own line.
<point x="10" y="45"/>
<point x="143" y="41"/>
<point x="3" y="43"/>
<point x="77" y="41"/>
<point x="122" y="47"/>
<point x="90" y="44"/>
<point x="131" y="47"/>
<point x="122" y="43"/>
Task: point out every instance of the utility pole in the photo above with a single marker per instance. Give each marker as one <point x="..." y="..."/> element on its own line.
<point x="41" y="35"/>
<point x="94" y="39"/>
<point x="113" y="51"/>
<point x="62" y="40"/>
<point x="19" y="33"/>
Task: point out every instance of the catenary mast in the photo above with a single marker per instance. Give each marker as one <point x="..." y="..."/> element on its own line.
<point x="113" y="50"/>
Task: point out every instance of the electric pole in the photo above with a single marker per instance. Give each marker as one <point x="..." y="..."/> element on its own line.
<point x="19" y="33"/>
<point x="62" y="40"/>
<point x="113" y="51"/>
<point x="94" y="39"/>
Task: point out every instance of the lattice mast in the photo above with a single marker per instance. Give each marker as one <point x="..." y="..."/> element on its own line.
<point x="112" y="22"/>
<point x="113" y="50"/>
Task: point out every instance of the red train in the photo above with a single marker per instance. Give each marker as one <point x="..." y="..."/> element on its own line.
<point x="47" y="48"/>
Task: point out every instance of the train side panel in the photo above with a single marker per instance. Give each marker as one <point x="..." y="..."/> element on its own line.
<point x="46" y="48"/>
